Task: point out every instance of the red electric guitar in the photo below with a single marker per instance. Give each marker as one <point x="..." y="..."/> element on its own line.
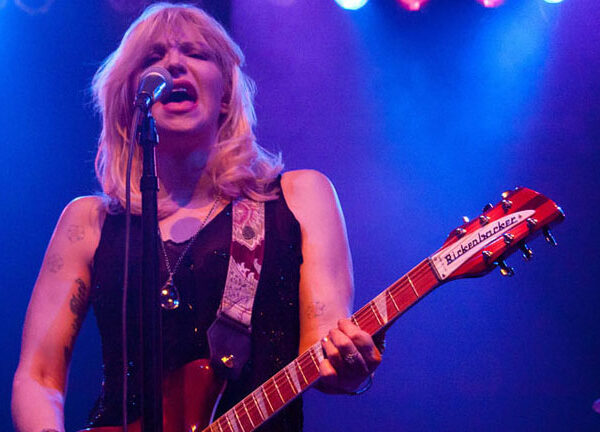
<point x="190" y="394"/>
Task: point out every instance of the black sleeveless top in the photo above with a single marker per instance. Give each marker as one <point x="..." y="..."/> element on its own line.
<point x="200" y="280"/>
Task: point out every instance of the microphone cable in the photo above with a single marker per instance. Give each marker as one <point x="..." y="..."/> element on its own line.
<point x="131" y="145"/>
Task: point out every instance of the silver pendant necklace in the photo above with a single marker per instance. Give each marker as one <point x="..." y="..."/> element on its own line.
<point x="169" y="294"/>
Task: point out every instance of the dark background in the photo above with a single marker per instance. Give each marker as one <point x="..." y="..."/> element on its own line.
<point x="418" y="119"/>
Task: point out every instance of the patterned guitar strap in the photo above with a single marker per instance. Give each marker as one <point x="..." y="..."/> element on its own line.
<point x="229" y="334"/>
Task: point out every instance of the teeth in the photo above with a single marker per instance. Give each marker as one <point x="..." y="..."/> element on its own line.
<point x="180" y="89"/>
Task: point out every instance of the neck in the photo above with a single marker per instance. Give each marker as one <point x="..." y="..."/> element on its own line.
<point x="183" y="177"/>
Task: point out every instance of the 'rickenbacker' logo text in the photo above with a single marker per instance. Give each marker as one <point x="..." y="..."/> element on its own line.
<point x="447" y="260"/>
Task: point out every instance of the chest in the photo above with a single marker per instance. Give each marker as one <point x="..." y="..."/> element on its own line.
<point x="185" y="223"/>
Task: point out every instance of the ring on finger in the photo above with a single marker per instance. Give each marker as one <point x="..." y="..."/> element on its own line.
<point x="351" y="358"/>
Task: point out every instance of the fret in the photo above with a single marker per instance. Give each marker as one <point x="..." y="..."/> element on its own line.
<point x="248" y="414"/>
<point x="238" y="419"/>
<point x="294" y="384"/>
<point x="228" y="422"/>
<point x="318" y="353"/>
<point x="260" y="407"/>
<point x="375" y="313"/>
<point x="353" y="318"/>
<point x="277" y="388"/>
<point x="393" y="301"/>
<point x="381" y="306"/>
<point x="310" y="351"/>
<point x="267" y="398"/>
<point x="412" y="286"/>
<point x="301" y="371"/>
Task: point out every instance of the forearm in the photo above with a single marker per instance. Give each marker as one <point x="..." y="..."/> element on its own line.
<point x="36" y="407"/>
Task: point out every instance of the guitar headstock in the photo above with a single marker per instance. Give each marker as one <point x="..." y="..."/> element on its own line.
<point x="478" y="246"/>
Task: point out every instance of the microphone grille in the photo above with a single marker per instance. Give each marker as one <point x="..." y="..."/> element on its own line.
<point x="156" y="81"/>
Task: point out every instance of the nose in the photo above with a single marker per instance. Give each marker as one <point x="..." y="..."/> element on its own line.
<point x="174" y="62"/>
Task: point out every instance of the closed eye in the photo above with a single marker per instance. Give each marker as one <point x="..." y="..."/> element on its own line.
<point x="156" y="53"/>
<point x="200" y="55"/>
<point x="196" y="50"/>
<point x="150" y="60"/>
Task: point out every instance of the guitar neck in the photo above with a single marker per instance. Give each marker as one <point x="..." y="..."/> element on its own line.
<point x="300" y="374"/>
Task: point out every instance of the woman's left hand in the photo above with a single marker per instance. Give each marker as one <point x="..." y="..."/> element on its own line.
<point x="351" y="356"/>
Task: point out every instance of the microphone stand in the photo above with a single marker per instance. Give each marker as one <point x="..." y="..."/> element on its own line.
<point x="150" y="316"/>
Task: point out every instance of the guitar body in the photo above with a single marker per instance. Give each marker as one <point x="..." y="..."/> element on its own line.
<point x="190" y="395"/>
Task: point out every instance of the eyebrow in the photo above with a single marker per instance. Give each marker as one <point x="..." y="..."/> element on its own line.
<point x="197" y="45"/>
<point x="156" y="47"/>
<point x="187" y="45"/>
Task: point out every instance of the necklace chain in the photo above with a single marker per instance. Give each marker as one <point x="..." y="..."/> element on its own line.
<point x="190" y="243"/>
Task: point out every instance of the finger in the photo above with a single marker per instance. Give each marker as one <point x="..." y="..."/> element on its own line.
<point x="329" y="380"/>
<point x="327" y="371"/>
<point x="363" y="342"/>
<point x="332" y="352"/>
<point x="350" y="358"/>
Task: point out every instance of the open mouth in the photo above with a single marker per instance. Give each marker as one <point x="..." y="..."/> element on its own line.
<point x="182" y="92"/>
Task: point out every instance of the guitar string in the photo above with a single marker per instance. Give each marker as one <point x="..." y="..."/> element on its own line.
<point x="365" y="316"/>
<point x="274" y="385"/>
<point x="417" y="276"/>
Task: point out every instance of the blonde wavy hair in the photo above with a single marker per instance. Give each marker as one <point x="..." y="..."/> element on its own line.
<point x="237" y="165"/>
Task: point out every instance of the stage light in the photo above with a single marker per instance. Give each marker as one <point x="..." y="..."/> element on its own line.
<point x="35" y="7"/>
<point x="351" y="4"/>
<point x="553" y="1"/>
<point x="491" y="3"/>
<point x="412" y="5"/>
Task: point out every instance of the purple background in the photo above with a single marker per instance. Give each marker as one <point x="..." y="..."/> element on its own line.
<point x="418" y="119"/>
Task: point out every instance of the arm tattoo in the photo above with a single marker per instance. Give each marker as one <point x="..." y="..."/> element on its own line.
<point x="78" y="305"/>
<point x="75" y="233"/>
<point x="54" y="262"/>
<point x="315" y="309"/>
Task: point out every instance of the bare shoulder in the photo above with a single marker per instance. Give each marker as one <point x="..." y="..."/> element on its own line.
<point x="80" y="225"/>
<point x="86" y="210"/>
<point x="305" y="180"/>
<point x="308" y="191"/>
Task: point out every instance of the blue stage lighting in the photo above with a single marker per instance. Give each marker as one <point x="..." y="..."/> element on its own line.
<point x="351" y="4"/>
<point x="553" y="1"/>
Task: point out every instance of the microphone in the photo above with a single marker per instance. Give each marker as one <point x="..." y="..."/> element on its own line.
<point x="156" y="84"/>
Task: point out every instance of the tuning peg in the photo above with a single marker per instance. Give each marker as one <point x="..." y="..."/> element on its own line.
<point x="505" y="270"/>
<point x="549" y="237"/>
<point x="460" y="232"/>
<point x="531" y="222"/>
<point x="527" y="252"/>
<point x="483" y="220"/>
<point x="487" y="256"/>
<point x="508" y="238"/>
<point x="506" y="204"/>
<point x="465" y="219"/>
<point x="487" y="207"/>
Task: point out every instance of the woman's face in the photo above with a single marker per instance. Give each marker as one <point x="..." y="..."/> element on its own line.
<point x="196" y="101"/>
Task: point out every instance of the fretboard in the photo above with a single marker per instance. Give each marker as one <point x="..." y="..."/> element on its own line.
<point x="300" y="374"/>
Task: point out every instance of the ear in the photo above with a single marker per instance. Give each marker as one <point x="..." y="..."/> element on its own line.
<point x="224" y="107"/>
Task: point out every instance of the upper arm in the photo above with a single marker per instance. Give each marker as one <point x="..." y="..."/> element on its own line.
<point x="60" y="296"/>
<point x="326" y="283"/>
